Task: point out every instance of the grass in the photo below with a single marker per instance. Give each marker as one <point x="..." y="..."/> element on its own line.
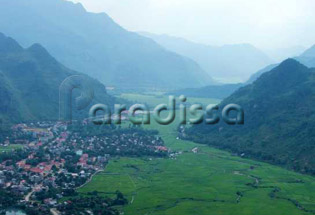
<point x="206" y="183"/>
<point x="10" y="148"/>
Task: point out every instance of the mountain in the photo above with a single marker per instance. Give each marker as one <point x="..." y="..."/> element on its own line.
<point x="308" y="57"/>
<point x="29" y="83"/>
<point x="220" y="91"/>
<point x="279" y="119"/>
<point x="94" y="44"/>
<point x="212" y="91"/>
<point x="227" y="63"/>
<point x="257" y="74"/>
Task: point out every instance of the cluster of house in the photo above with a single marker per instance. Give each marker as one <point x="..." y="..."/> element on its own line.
<point x="53" y="157"/>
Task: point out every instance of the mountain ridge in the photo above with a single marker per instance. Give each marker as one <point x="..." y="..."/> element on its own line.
<point x="232" y="61"/>
<point x="279" y="119"/>
<point x="95" y="45"/>
<point x="30" y="80"/>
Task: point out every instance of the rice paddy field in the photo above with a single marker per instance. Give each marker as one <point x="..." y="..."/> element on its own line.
<point x="209" y="182"/>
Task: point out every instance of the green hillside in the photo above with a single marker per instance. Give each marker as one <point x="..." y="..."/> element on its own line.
<point x="29" y="83"/>
<point x="279" y="119"/>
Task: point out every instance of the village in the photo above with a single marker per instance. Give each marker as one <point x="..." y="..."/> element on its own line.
<point x="55" y="159"/>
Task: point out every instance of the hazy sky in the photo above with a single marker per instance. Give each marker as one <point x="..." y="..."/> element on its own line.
<point x="263" y="23"/>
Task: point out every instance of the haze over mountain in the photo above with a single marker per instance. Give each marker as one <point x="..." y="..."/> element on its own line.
<point x="257" y="74"/>
<point x="280" y="54"/>
<point x="307" y="58"/>
<point x="228" y="63"/>
<point x="29" y="83"/>
<point x="279" y="119"/>
<point x="220" y="91"/>
<point x="94" y="44"/>
<point x="225" y="90"/>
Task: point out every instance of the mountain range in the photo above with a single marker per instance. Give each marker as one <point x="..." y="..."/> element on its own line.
<point x="223" y="91"/>
<point x="307" y="58"/>
<point x="228" y="63"/>
<point x="279" y="119"/>
<point x="220" y="91"/>
<point x="92" y="43"/>
<point x="29" y="83"/>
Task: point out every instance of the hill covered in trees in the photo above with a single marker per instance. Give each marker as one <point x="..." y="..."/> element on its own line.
<point x="30" y="80"/>
<point x="279" y="119"/>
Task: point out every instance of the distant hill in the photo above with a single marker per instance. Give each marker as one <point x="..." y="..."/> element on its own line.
<point x="227" y="63"/>
<point x="95" y="45"/>
<point x="279" y="119"/>
<point x="29" y="83"/>
<point x="257" y="74"/>
<point x="213" y="91"/>
<point x="220" y="91"/>
<point x="307" y="58"/>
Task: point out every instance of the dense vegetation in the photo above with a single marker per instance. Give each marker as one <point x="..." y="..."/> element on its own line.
<point x="279" y="119"/>
<point x="74" y="206"/>
<point x="94" y="204"/>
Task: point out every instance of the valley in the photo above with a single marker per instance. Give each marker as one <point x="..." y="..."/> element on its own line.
<point x="204" y="182"/>
<point x="157" y="107"/>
